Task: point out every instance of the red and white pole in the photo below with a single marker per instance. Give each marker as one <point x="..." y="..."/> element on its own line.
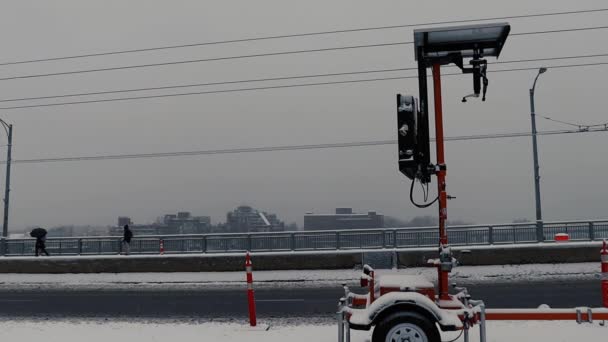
<point x="250" y="296"/>
<point x="161" y="246"/>
<point x="604" y="254"/>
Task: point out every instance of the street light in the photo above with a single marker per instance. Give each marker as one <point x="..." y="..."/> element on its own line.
<point x="7" y="186"/>
<point x="539" y="215"/>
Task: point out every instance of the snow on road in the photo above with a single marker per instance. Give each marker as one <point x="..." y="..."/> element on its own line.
<point x="462" y="275"/>
<point x="100" y="331"/>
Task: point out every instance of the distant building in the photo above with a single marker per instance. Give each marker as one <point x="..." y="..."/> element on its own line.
<point x="184" y="223"/>
<point x="344" y="218"/>
<point x="247" y="219"/>
<point x="173" y="224"/>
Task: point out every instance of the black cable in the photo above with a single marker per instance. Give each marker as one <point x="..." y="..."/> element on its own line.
<point x="210" y="84"/>
<point x="287" y="148"/>
<point x="422" y="206"/>
<point x="275" y="87"/>
<point x="277" y="79"/>
<point x="137" y="66"/>
<point x="300" y="35"/>
<point x="560" y="121"/>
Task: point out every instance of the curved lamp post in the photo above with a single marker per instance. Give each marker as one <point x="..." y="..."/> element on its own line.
<point x="539" y="215"/>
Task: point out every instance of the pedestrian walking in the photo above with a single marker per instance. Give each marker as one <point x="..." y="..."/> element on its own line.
<point x="126" y="240"/>
<point x="40" y="246"/>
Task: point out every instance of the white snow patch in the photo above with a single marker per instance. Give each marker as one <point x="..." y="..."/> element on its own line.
<point x="461" y="275"/>
<point x="213" y="332"/>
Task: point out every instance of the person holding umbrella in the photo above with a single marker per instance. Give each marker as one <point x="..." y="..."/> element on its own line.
<point x="40" y="235"/>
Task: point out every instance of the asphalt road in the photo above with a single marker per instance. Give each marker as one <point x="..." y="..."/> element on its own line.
<point x="279" y="302"/>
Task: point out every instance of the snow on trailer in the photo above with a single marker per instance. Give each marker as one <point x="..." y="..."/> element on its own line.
<point x="404" y="308"/>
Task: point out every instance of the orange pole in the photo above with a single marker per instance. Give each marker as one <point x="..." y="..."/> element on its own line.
<point x="250" y="295"/>
<point x="441" y="175"/>
<point x="543" y="315"/>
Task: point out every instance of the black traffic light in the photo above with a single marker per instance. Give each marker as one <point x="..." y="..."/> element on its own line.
<point x="412" y="139"/>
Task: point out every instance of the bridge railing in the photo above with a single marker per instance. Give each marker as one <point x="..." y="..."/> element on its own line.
<point x="514" y="233"/>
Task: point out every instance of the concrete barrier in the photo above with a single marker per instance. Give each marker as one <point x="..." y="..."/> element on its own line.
<point x="479" y="255"/>
<point x="178" y="263"/>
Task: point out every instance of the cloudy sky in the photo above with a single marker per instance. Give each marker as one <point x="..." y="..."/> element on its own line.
<point x="492" y="179"/>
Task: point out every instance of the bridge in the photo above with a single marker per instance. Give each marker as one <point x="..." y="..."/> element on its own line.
<point x="325" y="240"/>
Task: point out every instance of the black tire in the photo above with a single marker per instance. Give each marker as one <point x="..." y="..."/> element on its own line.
<point x="425" y="326"/>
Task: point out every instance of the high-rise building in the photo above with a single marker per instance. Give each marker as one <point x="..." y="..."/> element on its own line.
<point x="247" y="219"/>
<point x="344" y="218"/>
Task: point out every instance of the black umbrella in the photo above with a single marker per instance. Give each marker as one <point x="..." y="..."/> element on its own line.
<point x="38" y="232"/>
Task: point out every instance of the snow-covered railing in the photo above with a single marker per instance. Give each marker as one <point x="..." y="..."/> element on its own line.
<point x="380" y="238"/>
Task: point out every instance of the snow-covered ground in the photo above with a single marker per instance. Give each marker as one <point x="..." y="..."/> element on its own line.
<point x="462" y="275"/>
<point x="103" y="331"/>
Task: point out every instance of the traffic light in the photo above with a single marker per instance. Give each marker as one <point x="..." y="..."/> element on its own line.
<point x="407" y="112"/>
<point x="412" y="140"/>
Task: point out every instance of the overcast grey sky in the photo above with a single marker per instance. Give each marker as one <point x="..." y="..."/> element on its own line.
<point x="491" y="179"/>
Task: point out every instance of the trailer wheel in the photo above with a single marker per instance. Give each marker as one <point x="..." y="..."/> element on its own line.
<point x="406" y="327"/>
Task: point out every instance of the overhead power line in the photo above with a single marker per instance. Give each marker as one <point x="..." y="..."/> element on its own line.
<point x="268" y="54"/>
<point x="280" y="78"/>
<point x="579" y="126"/>
<point x="143" y="97"/>
<point x="284" y="148"/>
<point x="306" y="34"/>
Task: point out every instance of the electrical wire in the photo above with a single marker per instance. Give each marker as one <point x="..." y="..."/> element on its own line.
<point x="133" y="98"/>
<point x="306" y="34"/>
<point x="138" y="66"/>
<point x="287" y="147"/>
<point x="280" y="78"/>
<point x="560" y="121"/>
<point x="421" y="206"/>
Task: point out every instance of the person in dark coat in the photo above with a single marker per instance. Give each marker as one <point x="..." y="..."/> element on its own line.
<point x="40" y="235"/>
<point x="126" y="240"/>
<point x="41" y="245"/>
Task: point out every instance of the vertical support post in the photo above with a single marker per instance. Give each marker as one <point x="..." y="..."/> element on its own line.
<point x="490" y="235"/>
<point x="79" y="246"/>
<point x="337" y="240"/>
<point x="482" y="323"/>
<point x="383" y="238"/>
<point x="395" y="243"/>
<point x="250" y="294"/>
<point x="7" y="185"/>
<point x="2" y="246"/>
<point x="341" y="320"/>
<point x="204" y="244"/>
<point x="441" y="176"/>
<point x="591" y="231"/>
<point x="249" y="242"/>
<point x="604" y="258"/>
<point x="293" y="241"/>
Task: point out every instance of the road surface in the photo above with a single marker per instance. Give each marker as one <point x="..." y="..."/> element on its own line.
<point x="271" y="302"/>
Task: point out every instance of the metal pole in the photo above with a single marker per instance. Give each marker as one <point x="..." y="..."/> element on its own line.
<point x="441" y="175"/>
<point x="7" y="185"/>
<point x="482" y="323"/>
<point x="539" y="215"/>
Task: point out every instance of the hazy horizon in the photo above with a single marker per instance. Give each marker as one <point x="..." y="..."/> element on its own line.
<point x="492" y="179"/>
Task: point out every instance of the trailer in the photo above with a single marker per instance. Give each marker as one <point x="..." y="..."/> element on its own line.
<point x="402" y="308"/>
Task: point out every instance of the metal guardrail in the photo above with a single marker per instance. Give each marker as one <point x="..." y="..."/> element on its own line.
<point x="380" y="238"/>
